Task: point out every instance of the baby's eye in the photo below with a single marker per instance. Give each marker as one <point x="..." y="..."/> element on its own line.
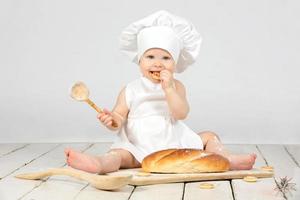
<point x="150" y="56"/>
<point x="166" y="57"/>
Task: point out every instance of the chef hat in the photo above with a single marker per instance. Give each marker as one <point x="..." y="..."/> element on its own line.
<point x="166" y="31"/>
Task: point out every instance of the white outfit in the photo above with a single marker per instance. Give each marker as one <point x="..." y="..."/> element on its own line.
<point x="149" y="126"/>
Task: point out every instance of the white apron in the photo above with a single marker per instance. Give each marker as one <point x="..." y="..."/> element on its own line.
<point x="149" y="126"/>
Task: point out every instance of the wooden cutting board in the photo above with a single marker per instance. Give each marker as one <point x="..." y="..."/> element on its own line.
<point x="141" y="178"/>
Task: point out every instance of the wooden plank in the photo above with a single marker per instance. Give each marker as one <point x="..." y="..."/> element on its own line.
<point x="18" y="159"/>
<point x="61" y="187"/>
<point x="6" y="149"/>
<point x="172" y="191"/>
<point x="284" y="165"/>
<point x="56" y="188"/>
<point x="91" y="193"/>
<point x="263" y="188"/>
<point x="54" y="158"/>
<point x="221" y="190"/>
<point x="294" y="151"/>
<point x="277" y="157"/>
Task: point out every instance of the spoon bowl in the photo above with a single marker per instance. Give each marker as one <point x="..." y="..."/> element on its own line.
<point x="80" y="92"/>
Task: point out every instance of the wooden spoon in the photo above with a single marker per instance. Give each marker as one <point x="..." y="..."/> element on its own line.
<point x="80" y="92"/>
<point x="103" y="182"/>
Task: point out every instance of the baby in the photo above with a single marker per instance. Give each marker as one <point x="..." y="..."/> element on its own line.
<point x="149" y="110"/>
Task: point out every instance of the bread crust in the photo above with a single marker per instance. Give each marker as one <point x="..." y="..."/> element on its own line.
<point x="184" y="161"/>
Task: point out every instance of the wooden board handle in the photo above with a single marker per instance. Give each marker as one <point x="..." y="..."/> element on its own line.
<point x="103" y="182"/>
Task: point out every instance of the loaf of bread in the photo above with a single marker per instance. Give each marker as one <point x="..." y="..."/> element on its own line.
<point x="184" y="161"/>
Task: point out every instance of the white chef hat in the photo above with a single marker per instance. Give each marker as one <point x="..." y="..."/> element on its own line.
<point x="162" y="30"/>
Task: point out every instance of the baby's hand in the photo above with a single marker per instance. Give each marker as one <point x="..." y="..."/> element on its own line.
<point x="167" y="80"/>
<point x="107" y="119"/>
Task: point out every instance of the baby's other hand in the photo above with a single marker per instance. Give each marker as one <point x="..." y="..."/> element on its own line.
<point x="106" y="118"/>
<point x="167" y="80"/>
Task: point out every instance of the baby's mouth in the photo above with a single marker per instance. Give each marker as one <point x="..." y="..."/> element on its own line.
<point x="155" y="75"/>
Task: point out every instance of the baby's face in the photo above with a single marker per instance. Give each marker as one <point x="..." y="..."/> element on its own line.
<point x="154" y="61"/>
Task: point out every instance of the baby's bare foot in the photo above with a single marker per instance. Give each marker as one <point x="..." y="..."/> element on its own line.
<point x="242" y="162"/>
<point x="83" y="161"/>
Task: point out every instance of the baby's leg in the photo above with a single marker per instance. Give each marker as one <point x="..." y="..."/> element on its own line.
<point x="212" y="143"/>
<point x="109" y="162"/>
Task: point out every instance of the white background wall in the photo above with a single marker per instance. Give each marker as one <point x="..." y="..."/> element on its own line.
<point x="245" y="85"/>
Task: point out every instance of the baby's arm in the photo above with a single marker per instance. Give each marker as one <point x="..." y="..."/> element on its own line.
<point x="118" y="114"/>
<point x="176" y="98"/>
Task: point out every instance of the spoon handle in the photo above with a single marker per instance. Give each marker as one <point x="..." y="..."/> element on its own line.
<point x="93" y="105"/>
<point x="99" y="110"/>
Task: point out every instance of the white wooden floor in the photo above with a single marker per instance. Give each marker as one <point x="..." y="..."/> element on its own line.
<point x="21" y="158"/>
